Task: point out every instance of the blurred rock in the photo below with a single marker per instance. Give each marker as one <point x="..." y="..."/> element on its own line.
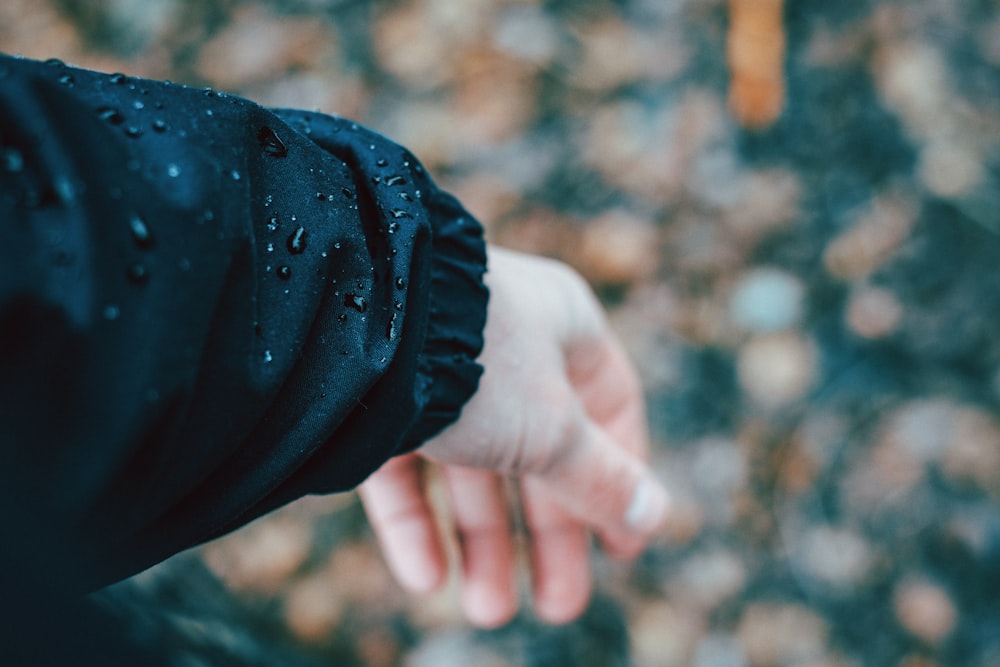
<point x="698" y="244"/>
<point x="988" y="38"/>
<point x="485" y="195"/>
<point x="766" y="300"/>
<point x="494" y="96"/>
<point x="261" y="557"/>
<point x="835" y="558"/>
<point x="258" y="45"/>
<point x="615" y="142"/>
<point x="708" y="578"/>
<point x="361" y="577"/>
<point x="614" y="54"/>
<point x="528" y="33"/>
<point x="618" y="248"/>
<point x="718" y="471"/>
<point x="716" y="178"/>
<point x="913" y="80"/>
<point x="663" y="635"/>
<point x="378" y="647"/>
<point x="456" y="649"/>
<point x="425" y="128"/>
<point x="344" y="95"/>
<point x="769" y="201"/>
<point x="872" y="238"/>
<point x="717" y="650"/>
<point x="36" y="30"/>
<point x="313" y="609"/>
<point x="963" y="440"/>
<point x="775" y="635"/>
<point x="418" y="41"/>
<point x="777" y="369"/>
<point x="410" y="47"/>
<point x="873" y="312"/>
<point x="950" y="170"/>
<point x="925" y="609"/>
<point x="539" y="230"/>
<point x="829" y="48"/>
<point x="973" y="455"/>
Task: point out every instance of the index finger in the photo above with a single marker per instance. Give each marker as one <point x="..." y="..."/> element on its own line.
<point x="608" y="387"/>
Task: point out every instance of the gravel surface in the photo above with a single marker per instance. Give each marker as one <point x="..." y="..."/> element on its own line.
<point x="793" y="215"/>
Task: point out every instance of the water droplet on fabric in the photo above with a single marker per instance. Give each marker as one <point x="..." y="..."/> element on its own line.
<point x="235" y="175"/>
<point x="110" y="114"/>
<point x="356" y="302"/>
<point x="347" y="193"/>
<point x="159" y="125"/>
<point x="138" y="105"/>
<point x="67" y="80"/>
<point x="13" y="161"/>
<point x="117" y="78"/>
<point x="400" y="283"/>
<point x="400" y="213"/>
<point x="111" y="313"/>
<point x="405" y="196"/>
<point x="284" y="272"/>
<point x="381" y="162"/>
<point x="395" y="180"/>
<point x="141" y="233"/>
<point x="270" y="142"/>
<point x="272" y="224"/>
<point x="270" y="247"/>
<point x="64" y="191"/>
<point x="297" y="241"/>
<point x="267" y="356"/>
<point x="337" y="245"/>
<point x="55" y="62"/>
<point x="137" y="273"/>
<point x="393" y="227"/>
<point x="173" y="171"/>
<point x="390" y="330"/>
<point x="133" y="132"/>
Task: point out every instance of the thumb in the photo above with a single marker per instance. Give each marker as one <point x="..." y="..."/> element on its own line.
<point x="606" y="487"/>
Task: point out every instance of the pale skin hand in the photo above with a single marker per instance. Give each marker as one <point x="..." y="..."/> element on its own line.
<point x="559" y="409"/>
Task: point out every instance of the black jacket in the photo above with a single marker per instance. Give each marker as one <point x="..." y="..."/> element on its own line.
<point x="207" y="310"/>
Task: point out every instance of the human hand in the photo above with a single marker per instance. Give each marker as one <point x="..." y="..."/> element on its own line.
<point x="559" y="409"/>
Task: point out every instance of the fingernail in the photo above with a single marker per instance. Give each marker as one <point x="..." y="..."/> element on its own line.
<point x="648" y="506"/>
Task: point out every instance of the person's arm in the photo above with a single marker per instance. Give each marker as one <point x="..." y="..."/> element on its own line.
<point x="207" y="310"/>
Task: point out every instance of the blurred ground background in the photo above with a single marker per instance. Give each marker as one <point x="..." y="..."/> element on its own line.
<point x="798" y="240"/>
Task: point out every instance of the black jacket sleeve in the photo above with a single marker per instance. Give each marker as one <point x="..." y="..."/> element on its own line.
<point x="208" y="309"/>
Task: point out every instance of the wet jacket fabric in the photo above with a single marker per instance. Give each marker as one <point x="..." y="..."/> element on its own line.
<point x="207" y="310"/>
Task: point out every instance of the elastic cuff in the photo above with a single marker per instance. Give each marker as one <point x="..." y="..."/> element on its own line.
<point x="447" y="370"/>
